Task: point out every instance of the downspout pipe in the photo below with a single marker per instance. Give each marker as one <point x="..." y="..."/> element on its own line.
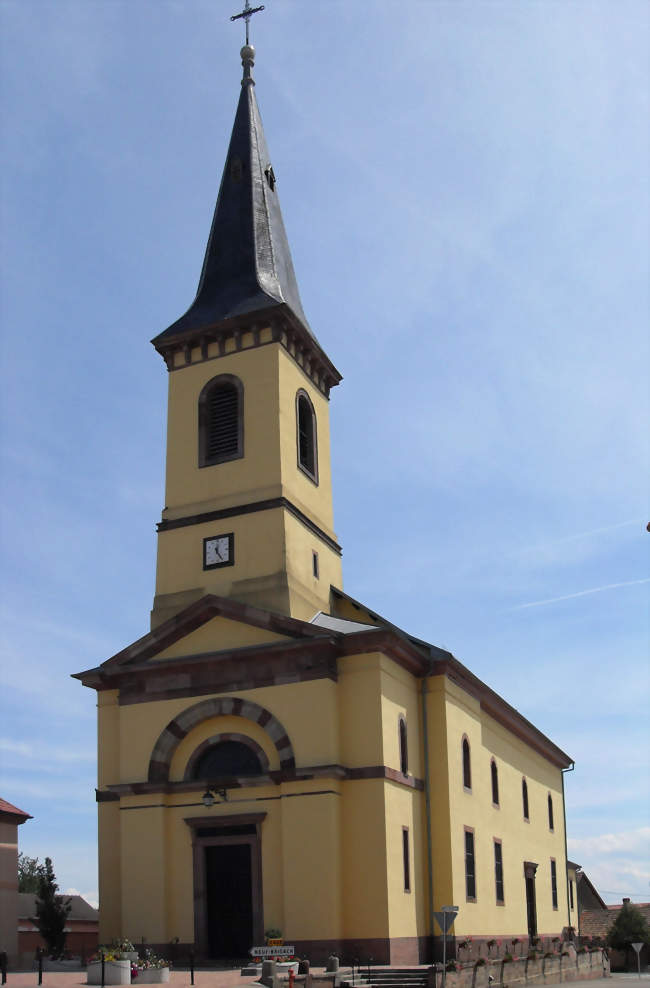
<point x="427" y="801"/>
<point x="566" y="855"/>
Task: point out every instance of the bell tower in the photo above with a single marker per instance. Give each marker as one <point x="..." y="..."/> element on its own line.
<point x="248" y="505"/>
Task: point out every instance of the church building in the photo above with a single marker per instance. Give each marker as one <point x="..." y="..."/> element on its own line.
<point x="272" y="752"/>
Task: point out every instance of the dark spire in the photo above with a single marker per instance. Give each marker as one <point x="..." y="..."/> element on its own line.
<point x="247" y="266"/>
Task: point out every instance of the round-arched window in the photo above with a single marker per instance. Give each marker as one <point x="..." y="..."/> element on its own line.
<point x="227" y="758"/>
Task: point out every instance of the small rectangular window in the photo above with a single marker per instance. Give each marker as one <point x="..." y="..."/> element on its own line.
<point x="470" y="866"/>
<point x="498" y="871"/>
<point x="314" y="564"/>
<point x="554" y="883"/>
<point x="571" y="894"/>
<point x="407" y="862"/>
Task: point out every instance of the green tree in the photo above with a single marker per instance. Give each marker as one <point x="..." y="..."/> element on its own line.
<point x="628" y="927"/>
<point x="29" y="873"/>
<point x="51" y="911"/>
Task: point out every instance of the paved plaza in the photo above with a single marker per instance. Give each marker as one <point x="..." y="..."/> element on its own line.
<point x="233" y="979"/>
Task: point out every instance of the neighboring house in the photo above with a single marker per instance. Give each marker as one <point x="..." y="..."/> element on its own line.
<point x="595" y="924"/>
<point x="10" y="819"/>
<point x="81" y="928"/>
<point x="582" y="896"/>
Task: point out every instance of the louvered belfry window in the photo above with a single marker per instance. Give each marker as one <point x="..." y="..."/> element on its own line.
<point x="220" y="421"/>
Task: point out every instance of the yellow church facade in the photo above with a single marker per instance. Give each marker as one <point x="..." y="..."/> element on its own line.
<point x="273" y="753"/>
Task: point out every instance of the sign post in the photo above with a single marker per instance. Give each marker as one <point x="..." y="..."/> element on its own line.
<point x="445" y="919"/>
<point x="638" y="947"/>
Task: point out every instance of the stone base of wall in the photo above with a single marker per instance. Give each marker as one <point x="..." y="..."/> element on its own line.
<point x="545" y="970"/>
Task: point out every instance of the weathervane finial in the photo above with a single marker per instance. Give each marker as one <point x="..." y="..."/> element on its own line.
<point x="247" y="13"/>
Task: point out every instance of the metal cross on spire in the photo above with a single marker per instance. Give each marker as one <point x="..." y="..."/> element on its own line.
<point x="247" y="13"/>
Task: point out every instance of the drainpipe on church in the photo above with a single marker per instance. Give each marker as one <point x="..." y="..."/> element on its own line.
<point x="566" y="852"/>
<point x="427" y="800"/>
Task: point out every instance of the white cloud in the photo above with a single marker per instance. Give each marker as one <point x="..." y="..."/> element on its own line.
<point x="43" y="752"/>
<point x="630" y="841"/>
<point x="581" y="593"/>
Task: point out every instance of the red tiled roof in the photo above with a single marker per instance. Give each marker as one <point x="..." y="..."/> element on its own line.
<point x="596" y="922"/>
<point x="8" y="808"/>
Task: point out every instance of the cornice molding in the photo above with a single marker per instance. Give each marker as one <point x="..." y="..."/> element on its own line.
<point x="229" y="336"/>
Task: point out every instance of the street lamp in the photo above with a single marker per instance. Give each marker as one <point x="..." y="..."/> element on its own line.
<point x="209" y="797"/>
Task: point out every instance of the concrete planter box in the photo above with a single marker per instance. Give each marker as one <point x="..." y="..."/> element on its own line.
<point x="152" y="976"/>
<point x="115" y="973"/>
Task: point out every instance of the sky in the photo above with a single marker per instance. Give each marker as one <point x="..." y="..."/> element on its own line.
<point x="465" y="190"/>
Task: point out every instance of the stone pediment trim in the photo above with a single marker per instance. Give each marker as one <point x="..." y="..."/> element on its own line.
<point x="116" y="791"/>
<point x="192" y="617"/>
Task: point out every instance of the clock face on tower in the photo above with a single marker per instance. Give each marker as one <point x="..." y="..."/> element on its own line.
<point x="219" y="550"/>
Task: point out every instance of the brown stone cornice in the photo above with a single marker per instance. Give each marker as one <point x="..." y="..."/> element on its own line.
<point x="497" y="708"/>
<point x="236" y="510"/>
<point x="229" y="335"/>
<point x="391" y="643"/>
<point x="341" y="772"/>
<point x="222" y="672"/>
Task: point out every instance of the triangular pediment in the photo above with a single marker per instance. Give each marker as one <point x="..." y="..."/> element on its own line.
<point x="218" y="635"/>
<point x="210" y="625"/>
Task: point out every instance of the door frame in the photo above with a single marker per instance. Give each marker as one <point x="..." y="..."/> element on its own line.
<point x="530" y="870"/>
<point x="199" y="843"/>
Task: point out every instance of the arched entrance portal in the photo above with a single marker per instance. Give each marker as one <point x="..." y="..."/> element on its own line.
<point x="228" y="907"/>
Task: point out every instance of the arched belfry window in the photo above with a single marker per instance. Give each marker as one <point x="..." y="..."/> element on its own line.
<point x="524" y="798"/>
<point x="467" y="765"/>
<point x="550" y="812"/>
<point x="306" y="436"/>
<point x="403" y="747"/>
<point x="495" y="782"/>
<point x="226" y="758"/>
<point x="221" y="418"/>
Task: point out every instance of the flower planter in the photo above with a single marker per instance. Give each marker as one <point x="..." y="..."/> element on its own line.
<point x="152" y="976"/>
<point x="115" y="973"/>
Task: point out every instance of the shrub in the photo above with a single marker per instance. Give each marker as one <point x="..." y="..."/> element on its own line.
<point x="507" y="958"/>
<point x="628" y="927"/>
<point x="451" y="966"/>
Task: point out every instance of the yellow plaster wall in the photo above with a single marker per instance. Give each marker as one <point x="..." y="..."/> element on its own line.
<point x="217" y="635"/>
<point x="143" y="869"/>
<point x="110" y="870"/>
<point x="360" y="710"/>
<point x="269" y="547"/>
<point x="308" y="593"/>
<point x="443" y="883"/>
<point x="108" y="737"/>
<point x="259" y="540"/>
<point x="313" y="498"/>
<point x="365" y="898"/>
<point x="189" y="486"/>
<point x="407" y="910"/>
<point x="311" y="870"/>
<point x="400" y="697"/>
<point x="521" y="840"/>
